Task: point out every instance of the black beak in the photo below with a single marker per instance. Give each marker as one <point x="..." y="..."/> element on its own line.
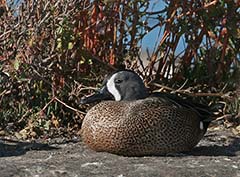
<point x="100" y="95"/>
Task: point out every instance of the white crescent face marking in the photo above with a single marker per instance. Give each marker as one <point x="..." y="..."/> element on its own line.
<point x="112" y="88"/>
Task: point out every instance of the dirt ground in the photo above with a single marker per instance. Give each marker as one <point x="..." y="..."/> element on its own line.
<point x="218" y="154"/>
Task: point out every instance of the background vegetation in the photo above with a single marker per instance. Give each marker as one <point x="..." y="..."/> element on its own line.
<point x="54" y="52"/>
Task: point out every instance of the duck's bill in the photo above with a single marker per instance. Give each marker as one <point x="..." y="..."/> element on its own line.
<point x="103" y="94"/>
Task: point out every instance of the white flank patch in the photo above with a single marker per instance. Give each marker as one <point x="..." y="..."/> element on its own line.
<point x="112" y="88"/>
<point x="201" y="125"/>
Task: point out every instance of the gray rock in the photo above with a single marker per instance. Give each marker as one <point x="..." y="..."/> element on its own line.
<point x="218" y="154"/>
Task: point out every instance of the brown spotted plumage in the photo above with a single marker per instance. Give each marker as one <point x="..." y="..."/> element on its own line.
<point x="155" y="125"/>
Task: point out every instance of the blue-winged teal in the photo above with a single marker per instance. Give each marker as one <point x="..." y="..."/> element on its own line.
<point x="139" y="124"/>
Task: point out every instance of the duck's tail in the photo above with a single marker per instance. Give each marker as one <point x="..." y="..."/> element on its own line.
<point x="209" y="113"/>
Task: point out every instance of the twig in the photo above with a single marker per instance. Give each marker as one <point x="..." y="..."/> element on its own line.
<point x="88" y="88"/>
<point x="47" y="105"/>
<point x="56" y="99"/>
<point x="24" y="115"/>
<point x="5" y="92"/>
<point x="180" y="88"/>
<point x="225" y="117"/>
<point x="75" y="110"/>
<point x="224" y="87"/>
<point x="189" y="93"/>
<point x="5" y="33"/>
<point x="201" y="8"/>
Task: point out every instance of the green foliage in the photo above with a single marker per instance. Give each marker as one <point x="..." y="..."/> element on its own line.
<point x="60" y="49"/>
<point x="40" y="59"/>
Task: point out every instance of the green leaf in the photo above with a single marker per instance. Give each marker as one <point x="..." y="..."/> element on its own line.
<point x="70" y="45"/>
<point x="16" y="64"/>
<point x="59" y="43"/>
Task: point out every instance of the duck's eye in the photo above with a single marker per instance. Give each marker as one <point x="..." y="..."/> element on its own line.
<point x="118" y="81"/>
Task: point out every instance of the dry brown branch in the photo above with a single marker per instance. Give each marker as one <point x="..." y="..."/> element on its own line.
<point x="58" y="100"/>
<point x="45" y="107"/>
<point x="5" y="33"/>
<point x="5" y="92"/>
<point x="187" y="92"/>
<point x="24" y="115"/>
<point x="88" y="88"/>
<point x="69" y="107"/>
<point x="183" y="85"/>
<point x="225" y="117"/>
<point x="46" y="47"/>
<point x="207" y="5"/>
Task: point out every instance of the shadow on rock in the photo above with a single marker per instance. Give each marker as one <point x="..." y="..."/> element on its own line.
<point x="230" y="149"/>
<point x="16" y="148"/>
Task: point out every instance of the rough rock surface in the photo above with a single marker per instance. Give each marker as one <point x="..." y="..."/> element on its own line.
<point x="218" y="154"/>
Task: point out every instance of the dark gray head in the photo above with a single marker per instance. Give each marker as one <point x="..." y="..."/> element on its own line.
<point x="120" y="85"/>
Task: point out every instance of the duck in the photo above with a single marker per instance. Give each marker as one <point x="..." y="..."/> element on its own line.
<point x="130" y="121"/>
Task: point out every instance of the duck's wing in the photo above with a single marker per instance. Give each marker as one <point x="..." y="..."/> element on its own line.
<point x="204" y="111"/>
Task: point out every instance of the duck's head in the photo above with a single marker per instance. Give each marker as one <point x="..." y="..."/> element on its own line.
<point x="119" y="86"/>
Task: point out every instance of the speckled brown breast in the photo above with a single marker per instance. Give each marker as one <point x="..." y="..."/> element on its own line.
<point x="142" y="127"/>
